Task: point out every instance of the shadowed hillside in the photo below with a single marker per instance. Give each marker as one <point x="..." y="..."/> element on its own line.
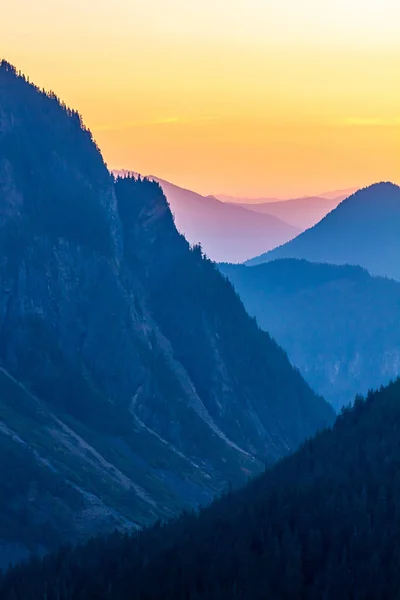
<point x="323" y="523"/>
<point x="339" y="325"/>
<point x="123" y="379"/>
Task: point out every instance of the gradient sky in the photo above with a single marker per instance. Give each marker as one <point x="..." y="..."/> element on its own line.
<point x="242" y="97"/>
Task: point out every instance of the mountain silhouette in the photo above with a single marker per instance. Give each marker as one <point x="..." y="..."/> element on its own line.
<point x="226" y="232"/>
<point x="363" y="230"/>
<point x="133" y="384"/>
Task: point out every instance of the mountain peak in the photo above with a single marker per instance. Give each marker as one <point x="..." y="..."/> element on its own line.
<point x="363" y="230"/>
<point x="50" y="159"/>
<point x="152" y="385"/>
<point x="381" y="185"/>
<point x="375" y="191"/>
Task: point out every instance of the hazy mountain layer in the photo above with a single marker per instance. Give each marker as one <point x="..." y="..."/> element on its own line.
<point x="339" y="325"/>
<point x="225" y="232"/>
<point x="363" y="230"/>
<point x="300" y="212"/>
<point x="338" y="195"/>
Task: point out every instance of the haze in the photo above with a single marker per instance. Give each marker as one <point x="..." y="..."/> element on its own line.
<point x="248" y="98"/>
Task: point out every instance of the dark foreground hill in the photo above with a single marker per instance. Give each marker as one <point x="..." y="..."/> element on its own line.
<point x="133" y="383"/>
<point x="323" y="523"/>
<point x="363" y="230"/>
<point x="339" y="325"/>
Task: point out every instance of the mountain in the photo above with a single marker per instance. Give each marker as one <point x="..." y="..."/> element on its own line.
<point x="338" y="194"/>
<point x="363" y="230"/>
<point x="302" y="212"/>
<point x="242" y="200"/>
<point x="299" y="212"/>
<point x="339" y="325"/>
<point x="323" y="523"/>
<point x="133" y="383"/>
<point x="225" y="232"/>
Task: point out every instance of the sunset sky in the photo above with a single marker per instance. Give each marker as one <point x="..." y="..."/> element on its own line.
<point x="243" y="97"/>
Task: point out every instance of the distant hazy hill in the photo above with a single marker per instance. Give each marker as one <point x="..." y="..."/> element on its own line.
<point x="226" y="232"/>
<point x="363" y="230"/>
<point x="338" y="195"/>
<point x="133" y="383"/>
<point x="299" y="212"/>
<point x="302" y="212"/>
<point x="339" y="325"/>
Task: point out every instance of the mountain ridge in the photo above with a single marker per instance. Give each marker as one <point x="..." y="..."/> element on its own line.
<point x="338" y="324"/>
<point x="344" y="235"/>
<point x="299" y="212"/>
<point x="225" y="231"/>
<point x="124" y="335"/>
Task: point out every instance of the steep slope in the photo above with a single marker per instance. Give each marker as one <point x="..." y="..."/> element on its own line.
<point x="339" y="325"/>
<point x="226" y="232"/>
<point x="323" y="523"/>
<point x="195" y="307"/>
<point x="299" y="212"/>
<point x="363" y="230"/>
<point x="55" y="485"/>
<point x="123" y="338"/>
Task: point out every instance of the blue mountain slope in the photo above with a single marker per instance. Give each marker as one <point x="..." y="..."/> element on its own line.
<point x="363" y="230"/>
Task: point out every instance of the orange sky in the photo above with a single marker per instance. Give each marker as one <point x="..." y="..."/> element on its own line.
<point x="242" y="97"/>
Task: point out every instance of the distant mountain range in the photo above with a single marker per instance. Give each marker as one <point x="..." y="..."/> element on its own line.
<point x="226" y="232"/>
<point x="338" y="194"/>
<point x="227" y="228"/>
<point x="303" y="212"/>
<point x="299" y="212"/>
<point x="363" y="230"/>
<point x="339" y="325"/>
<point x="133" y="383"/>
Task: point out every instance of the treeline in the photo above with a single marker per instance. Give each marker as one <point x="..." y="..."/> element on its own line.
<point x="10" y="69"/>
<point x="323" y="523"/>
<point x="56" y="166"/>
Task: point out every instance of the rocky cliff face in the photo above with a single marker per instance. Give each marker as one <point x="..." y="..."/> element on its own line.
<point x="151" y="386"/>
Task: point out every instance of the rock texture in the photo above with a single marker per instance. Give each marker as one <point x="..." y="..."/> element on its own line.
<point x="131" y="374"/>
